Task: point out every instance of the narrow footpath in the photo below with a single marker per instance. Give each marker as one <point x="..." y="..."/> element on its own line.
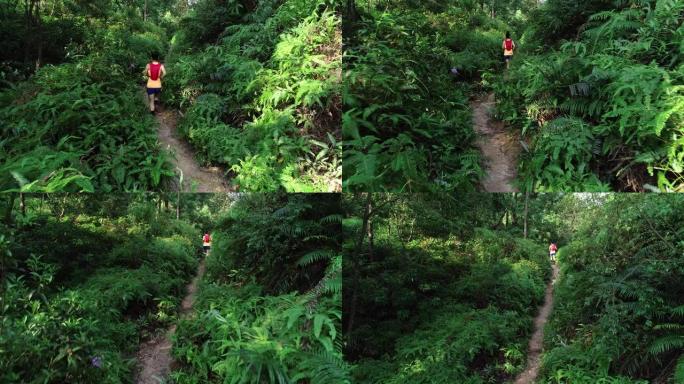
<point x="154" y="356"/>
<point x="498" y="146"/>
<point x="529" y="375"/>
<point x="195" y="177"/>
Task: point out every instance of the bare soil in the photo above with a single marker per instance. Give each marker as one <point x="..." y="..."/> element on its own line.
<point x="529" y="375"/>
<point x="498" y="145"/>
<point x="154" y="356"/>
<point x="195" y="177"/>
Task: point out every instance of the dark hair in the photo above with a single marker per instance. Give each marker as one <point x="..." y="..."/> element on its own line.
<point x="155" y="55"/>
<point x="508" y="35"/>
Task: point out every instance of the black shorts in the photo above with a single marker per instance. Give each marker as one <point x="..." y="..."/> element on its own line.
<point x="507" y="58"/>
<point x="153" y="91"/>
<point x="206" y="247"/>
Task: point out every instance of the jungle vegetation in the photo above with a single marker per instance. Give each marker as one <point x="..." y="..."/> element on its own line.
<point x="85" y="279"/>
<point x="619" y="302"/>
<point x="440" y="289"/>
<point x="259" y="84"/>
<point x="71" y="102"/>
<point x="256" y="85"/>
<point x="594" y="93"/>
<point x="270" y="307"/>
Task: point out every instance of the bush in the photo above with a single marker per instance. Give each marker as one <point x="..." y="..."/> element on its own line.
<point x="611" y="94"/>
<point x="105" y="281"/>
<point x="269" y="307"/>
<point x="263" y="99"/>
<point x="82" y="125"/>
<point x="619" y="297"/>
<point x="407" y="124"/>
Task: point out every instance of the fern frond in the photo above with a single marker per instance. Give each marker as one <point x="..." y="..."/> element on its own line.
<point x="666" y="343"/>
<point x="679" y="370"/>
<point x="332" y="219"/>
<point x="333" y="285"/>
<point x="315" y="256"/>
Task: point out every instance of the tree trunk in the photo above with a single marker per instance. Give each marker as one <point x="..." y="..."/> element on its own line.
<point x="514" y="208"/>
<point x="39" y="34"/>
<point x="369" y="210"/>
<point x="351" y="10"/>
<point x="355" y="264"/>
<point x="22" y="203"/>
<point x="178" y="206"/>
<point x="527" y="201"/>
<point x="145" y="12"/>
<point x="10" y="206"/>
<point x="28" y="22"/>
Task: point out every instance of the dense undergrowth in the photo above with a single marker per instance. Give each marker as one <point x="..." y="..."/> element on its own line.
<point x="258" y="83"/>
<point x="433" y="298"/>
<point x="269" y="308"/>
<point x="79" y="123"/>
<point x="83" y="279"/>
<point x="619" y="311"/>
<point x="594" y="93"/>
<point x="597" y="91"/>
<point x="407" y="123"/>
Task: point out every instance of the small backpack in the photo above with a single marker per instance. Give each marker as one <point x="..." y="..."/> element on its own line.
<point x="206" y="238"/>
<point x="154" y="71"/>
<point x="509" y="44"/>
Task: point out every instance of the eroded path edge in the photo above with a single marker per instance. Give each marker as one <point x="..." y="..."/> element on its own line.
<point x="529" y="375"/>
<point x="498" y="145"/>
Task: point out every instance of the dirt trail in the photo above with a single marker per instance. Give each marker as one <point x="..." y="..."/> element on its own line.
<point x="498" y="145"/>
<point x="154" y="356"/>
<point x="205" y="179"/>
<point x="535" y="348"/>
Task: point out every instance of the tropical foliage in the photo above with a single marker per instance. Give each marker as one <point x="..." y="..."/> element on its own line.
<point x="259" y="85"/>
<point x="602" y="108"/>
<point x="594" y="93"/>
<point x="618" y="313"/>
<point x="407" y="123"/>
<point x="269" y="309"/>
<point x="79" y="122"/>
<point x="443" y="290"/>
<point x="82" y="280"/>
<point x="432" y="296"/>
<point x="87" y="279"/>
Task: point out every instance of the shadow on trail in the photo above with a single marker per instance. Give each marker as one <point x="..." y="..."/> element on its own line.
<point x="529" y="375"/>
<point x="154" y="356"/>
<point x="195" y="177"/>
<point x="498" y="146"/>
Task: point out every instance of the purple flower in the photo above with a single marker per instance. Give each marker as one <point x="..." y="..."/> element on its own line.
<point x="96" y="362"/>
